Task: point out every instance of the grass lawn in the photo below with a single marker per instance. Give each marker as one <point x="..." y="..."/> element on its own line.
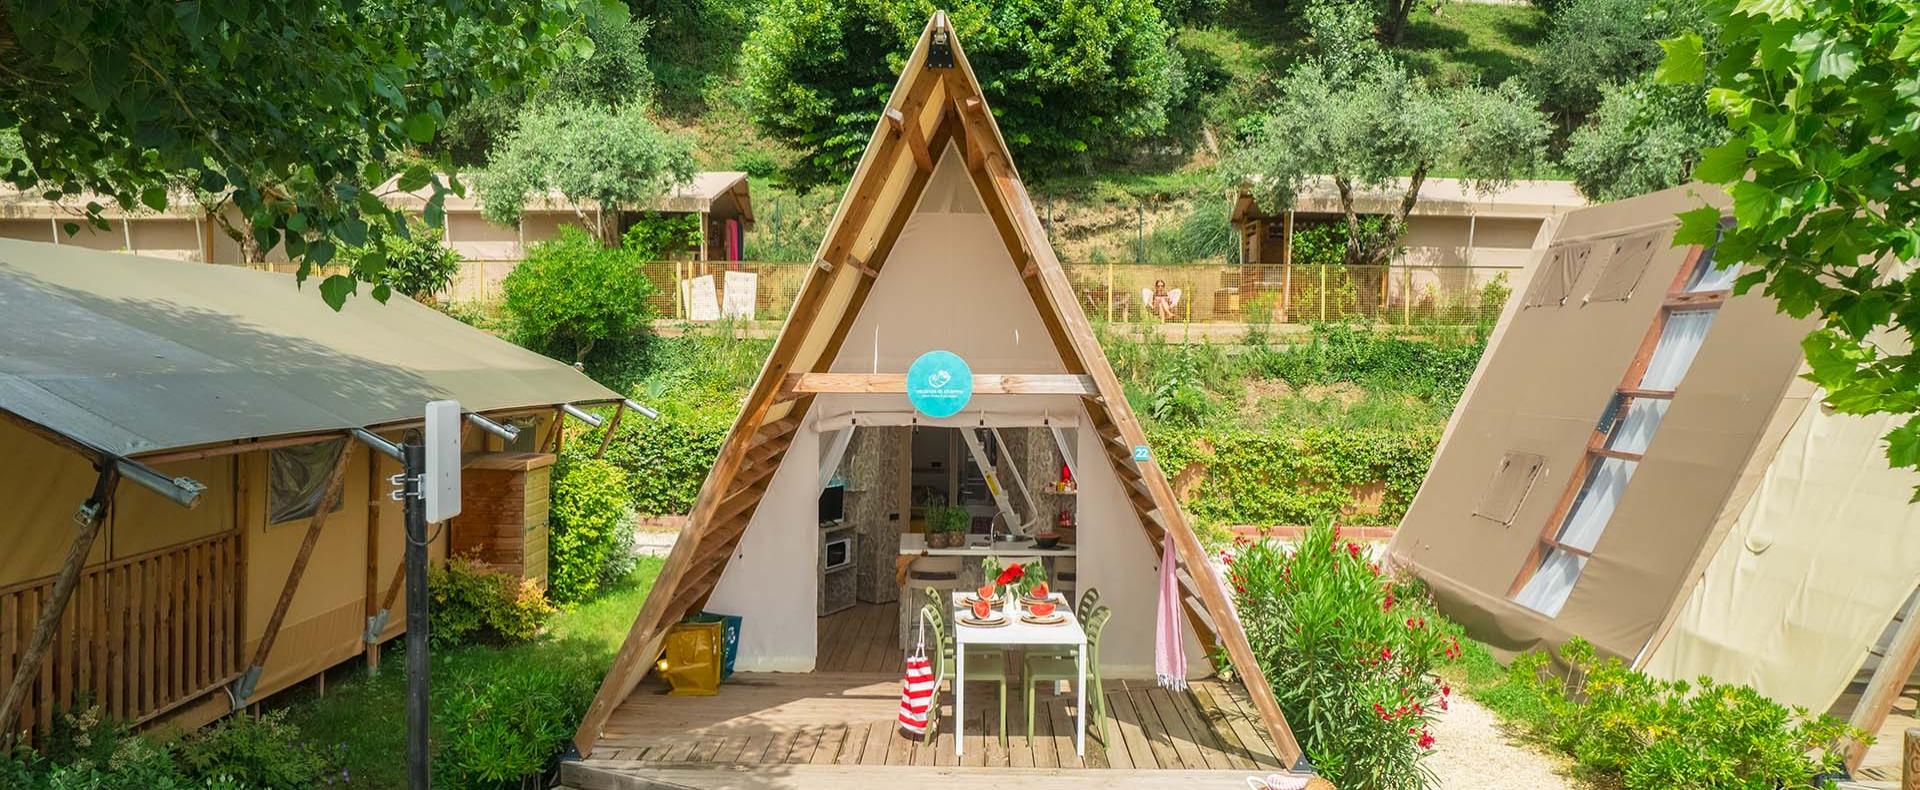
<point x="1473" y="42"/>
<point x="367" y="716"/>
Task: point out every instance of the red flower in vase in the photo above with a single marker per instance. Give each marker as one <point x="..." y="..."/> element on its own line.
<point x="1010" y="575"/>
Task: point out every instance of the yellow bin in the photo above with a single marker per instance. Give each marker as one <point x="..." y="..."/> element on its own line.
<point x="691" y="659"/>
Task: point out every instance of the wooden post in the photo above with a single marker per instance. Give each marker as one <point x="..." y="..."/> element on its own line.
<point x="330" y="496"/>
<point x="56" y="605"/>
<point x="1895" y="667"/>
<point x="1323" y="292"/>
<point x="372" y="587"/>
<point x="1910" y="760"/>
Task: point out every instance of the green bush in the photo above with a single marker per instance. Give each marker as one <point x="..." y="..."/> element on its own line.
<point x="1067" y="80"/>
<point x="590" y="542"/>
<point x="267" y="753"/>
<point x="571" y="294"/>
<point x="1432" y="372"/>
<point x="417" y="265"/>
<point x="1637" y="732"/>
<point x="510" y="726"/>
<point x="666" y="460"/>
<point x="472" y="602"/>
<point x="1350" y="651"/>
<point x="1303" y="475"/>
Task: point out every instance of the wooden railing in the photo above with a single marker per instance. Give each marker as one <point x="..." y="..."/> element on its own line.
<point x="141" y="635"/>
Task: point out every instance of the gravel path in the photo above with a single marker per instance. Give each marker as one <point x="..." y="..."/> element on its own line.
<point x="1472" y="753"/>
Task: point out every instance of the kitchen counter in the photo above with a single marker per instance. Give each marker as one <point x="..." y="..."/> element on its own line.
<point x="915" y="544"/>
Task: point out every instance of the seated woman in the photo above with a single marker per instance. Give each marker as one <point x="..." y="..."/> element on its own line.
<point x="1161" y="300"/>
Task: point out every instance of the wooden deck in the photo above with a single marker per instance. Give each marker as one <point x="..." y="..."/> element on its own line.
<point x="762" y="725"/>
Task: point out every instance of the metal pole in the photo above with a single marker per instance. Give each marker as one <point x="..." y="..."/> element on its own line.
<point x="417" y="711"/>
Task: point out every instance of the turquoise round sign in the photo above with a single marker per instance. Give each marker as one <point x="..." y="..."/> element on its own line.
<point x="939" y="384"/>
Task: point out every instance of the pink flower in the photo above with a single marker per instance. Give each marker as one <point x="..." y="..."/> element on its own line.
<point x="1353" y="550"/>
<point x="1386" y="654"/>
<point x="1426" y="739"/>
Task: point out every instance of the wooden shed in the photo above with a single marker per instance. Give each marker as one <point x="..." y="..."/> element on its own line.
<point x="240" y="384"/>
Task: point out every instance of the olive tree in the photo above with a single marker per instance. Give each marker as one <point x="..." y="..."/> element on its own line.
<point x="601" y="159"/>
<point x="1356" y="118"/>
<point x="572" y="293"/>
<point x="1643" y="138"/>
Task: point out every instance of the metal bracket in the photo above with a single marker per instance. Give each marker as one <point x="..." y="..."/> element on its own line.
<point x="1302" y="766"/>
<point x="404" y="486"/>
<point x="375" y="625"/>
<point x="240" y="692"/>
<point x="88" y="512"/>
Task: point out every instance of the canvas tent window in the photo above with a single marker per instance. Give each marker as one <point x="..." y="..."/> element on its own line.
<point x="297" y="478"/>
<point x="1558" y="273"/>
<point x="1710" y="276"/>
<point x="1624" y="268"/>
<point x="1552" y="582"/>
<point x="1512" y="480"/>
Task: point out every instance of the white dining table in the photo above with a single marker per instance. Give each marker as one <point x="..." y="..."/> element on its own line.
<point x="1017" y="633"/>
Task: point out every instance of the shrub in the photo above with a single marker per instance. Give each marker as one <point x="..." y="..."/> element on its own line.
<point x="571" y="294"/>
<point x="510" y="726"/>
<point x="416" y="265"/>
<point x="265" y="753"/>
<point x="591" y="539"/>
<point x="1301" y="475"/>
<point x="1640" y="733"/>
<point x="1350" y="651"/>
<point x="88" y="749"/>
<point x="1432" y="372"/>
<point x="666" y="460"/>
<point x="474" y="602"/>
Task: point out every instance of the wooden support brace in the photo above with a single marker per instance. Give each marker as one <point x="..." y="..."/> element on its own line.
<point x="330" y="495"/>
<point x="606" y="438"/>
<point x="56" y="605"/>
<point x="916" y="142"/>
<point x="1895" y="667"/>
<point x="861" y="266"/>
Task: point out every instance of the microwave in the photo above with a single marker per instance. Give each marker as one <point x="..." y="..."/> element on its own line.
<point x="838" y="552"/>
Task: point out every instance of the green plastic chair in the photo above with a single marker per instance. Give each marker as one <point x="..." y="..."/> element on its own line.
<point x="983" y="663"/>
<point x="1047" y="669"/>
<point x="1083" y="612"/>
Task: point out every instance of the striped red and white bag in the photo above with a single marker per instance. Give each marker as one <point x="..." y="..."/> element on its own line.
<point x="916" y="691"/>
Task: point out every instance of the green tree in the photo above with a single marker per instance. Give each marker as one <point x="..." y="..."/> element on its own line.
<point x="1822" y="98"/>
<point x="1592" y="44"/>
<point x="418" y="266"/>
<point x="572" y="293"/>
<point x="601" y="159"/>
<point x="1643" y="138"/>
<point x="1355" y="117"/>
<point x="1067" y="79"/>
<point x="293" y="111"/>
<point x="615" y="72"/>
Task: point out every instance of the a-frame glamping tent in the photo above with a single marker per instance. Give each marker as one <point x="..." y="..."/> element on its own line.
<point x="935" y="245"/>
<point x="1638" y="462"/>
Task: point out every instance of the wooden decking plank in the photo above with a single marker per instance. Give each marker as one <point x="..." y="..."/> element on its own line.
<point x="780" y="747"/>
<point x="1019" y="738"/>
<point x="805" y="745"/>
<point x="728" y="750"/>
<point x="1142" y="728"/>
<point x="754" y="751"/>
<point x="1227" y="728"/>
<point x="854" y="745"/>
<point x="1115" y="746"/>
<point x="831" y="741"/>
<point x="977" y="723"/>
<point x="901" y="750"/>
<point x="1186" y="742"/>
<point x="1041" y="740"/>
<point x="681" y="751"/>
<point x="1061" y="715"/>
<point x="1262" y="747"/>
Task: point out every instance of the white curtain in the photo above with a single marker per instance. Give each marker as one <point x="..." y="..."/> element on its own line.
<point x="1680" y="340"/>
<point x="1635" y="430"/>
<point x="1594" y="507"/>
<point x="1547" y="591"/>
<point x="1713" y="277"/>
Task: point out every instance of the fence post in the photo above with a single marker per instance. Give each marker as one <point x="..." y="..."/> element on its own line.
<point x="1109" y="292"/>
<point x="1323" y="293"/>
<point x="1406" y="296"/>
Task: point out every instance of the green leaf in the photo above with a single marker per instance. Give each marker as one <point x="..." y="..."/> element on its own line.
<point x="1825" y="58"/>
<point x="1685" y="62"/>
<point x="1753" y="205"/>
<point x="414" y="178"/>
<point x="1723" y="164"/>
<point x="154" y="197"/>
<point x="1698" y="226"/>
<point x="381" y="292"/>
<point x="335" y="289"/>
<point x="319" y="252"/>
<point x="1908" y="44"/>
<point x="1903" y="443"/>
<point x="420" y="126"/>
<point x="1771" y="9"/>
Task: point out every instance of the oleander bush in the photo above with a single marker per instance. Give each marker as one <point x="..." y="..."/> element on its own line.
<point x="1350" y="650"/>
<point x="86" y="749"/>
<point x="513" y="725"/>
<point x="268" y="753"/>
<point x="590" y="544"/>
<point x="475" y="603"/>
<point x="1629" y="730"/>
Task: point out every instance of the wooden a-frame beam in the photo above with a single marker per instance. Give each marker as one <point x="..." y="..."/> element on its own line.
<point x="983" y="383"/>
<point x="916" y="143"/>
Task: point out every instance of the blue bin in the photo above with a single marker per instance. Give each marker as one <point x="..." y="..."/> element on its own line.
<point x="729" y="637"/>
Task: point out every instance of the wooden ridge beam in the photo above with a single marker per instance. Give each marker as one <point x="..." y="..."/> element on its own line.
<point x="910" y="132"/>
<point x="896" y="383"/>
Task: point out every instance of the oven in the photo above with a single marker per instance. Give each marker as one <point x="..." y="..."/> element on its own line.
<point x="837" y="551"/>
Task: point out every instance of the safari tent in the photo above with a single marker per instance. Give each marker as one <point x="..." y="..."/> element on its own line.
<point x="1638" y="462"/>
<point x="237" y="541"/>
<point x="935" y="247"/>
